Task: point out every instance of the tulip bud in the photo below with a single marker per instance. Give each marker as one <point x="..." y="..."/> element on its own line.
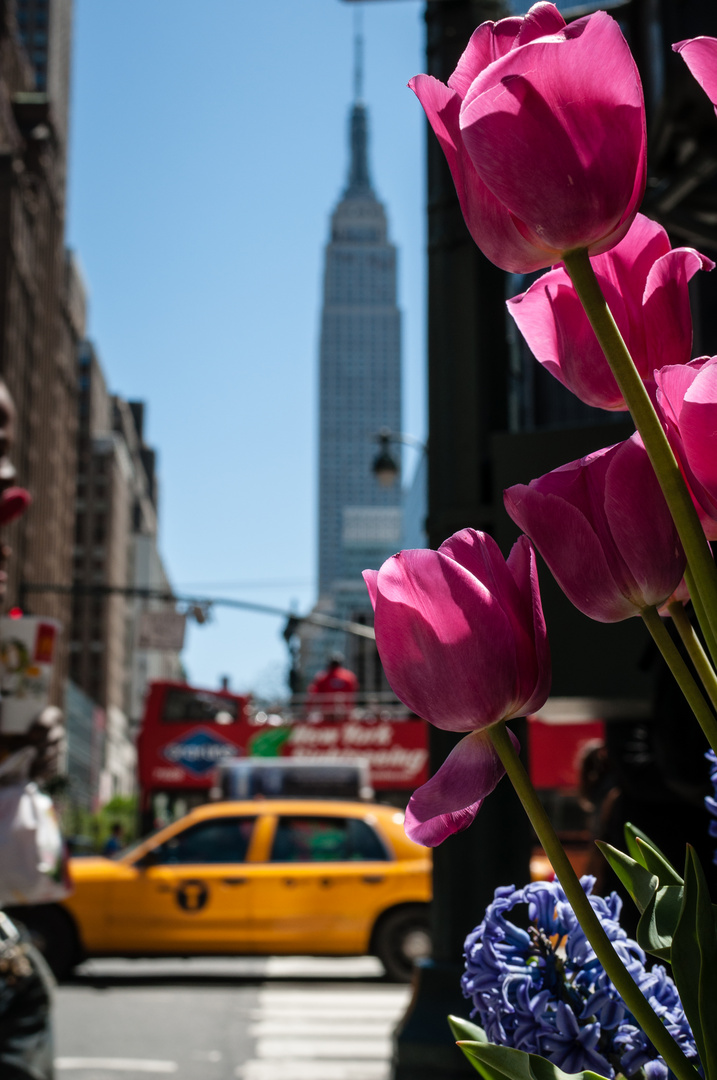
<point x="543" y="128"/>
<point x="687" y="402"/>
<point x="645" y="284"/>
<point x="462" y="640"/>
<point x="603" y="527"/>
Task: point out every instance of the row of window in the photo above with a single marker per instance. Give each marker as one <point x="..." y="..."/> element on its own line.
<point x="297" y="839"/>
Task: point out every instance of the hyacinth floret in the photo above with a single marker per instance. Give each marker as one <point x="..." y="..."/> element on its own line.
<point x="711" y="800"/>
<point x="537" y="985"/>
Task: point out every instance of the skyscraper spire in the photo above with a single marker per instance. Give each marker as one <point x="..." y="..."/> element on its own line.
<point x="359" y="179"/>
<point x="358" y="57"/>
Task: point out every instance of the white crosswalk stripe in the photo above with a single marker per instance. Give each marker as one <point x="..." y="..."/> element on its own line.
<point x="323" y="1033"/>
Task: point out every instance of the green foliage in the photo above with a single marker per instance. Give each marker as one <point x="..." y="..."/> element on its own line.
<point x="632" y="834"/>
<point x="502" y="1062"/>
<point x="637" y="879"/>
<point x="657" y="925"/>
<point x="93" y="829"/>
<point x="654" y="885"/>
<point x="656" y="863"/>
<point x="694" y="962"/>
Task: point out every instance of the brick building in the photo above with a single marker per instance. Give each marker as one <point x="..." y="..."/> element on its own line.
<point x="41" y="322"/>
<point x="115" y="548"/>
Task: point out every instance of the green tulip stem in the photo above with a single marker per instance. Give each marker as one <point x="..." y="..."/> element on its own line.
<point x="679" y="501"/>
<point x="704" y="622"/>
<point x="683" y="675"/>
<point x="625" y="985"/>
<point x="695" y="651"/>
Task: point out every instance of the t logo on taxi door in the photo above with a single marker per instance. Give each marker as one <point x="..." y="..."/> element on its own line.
<point x="192" y="895"/>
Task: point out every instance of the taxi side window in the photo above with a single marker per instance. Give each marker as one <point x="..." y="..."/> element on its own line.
<point x="325" y="839"/>
<point x="221" y="840"/>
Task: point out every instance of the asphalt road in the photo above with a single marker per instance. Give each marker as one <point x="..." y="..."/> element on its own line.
<point x="275" y="1018"/>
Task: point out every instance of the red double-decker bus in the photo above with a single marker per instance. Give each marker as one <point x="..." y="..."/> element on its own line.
<point x="185" y="733"/>
<point x="188" y="732"/>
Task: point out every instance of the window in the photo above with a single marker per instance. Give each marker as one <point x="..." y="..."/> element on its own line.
<point x="326" y="839"/>
<point x="182" y="705"/>
<point x="221" y="840"/>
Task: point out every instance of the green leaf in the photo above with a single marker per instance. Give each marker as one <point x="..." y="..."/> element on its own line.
<point x="659" y="921"/>
<point x="464" y="1029"/>
<point x="637" y="879"/>
<point x="694" y="962"/>
<point x="504" y="1063"/>
<point x="632" y="835"/>
<point x="656" y="863"/>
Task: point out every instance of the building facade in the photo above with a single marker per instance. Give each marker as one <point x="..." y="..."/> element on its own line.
<point x="41" y="321"/>
<point x="115" y="551"/>
<point x="359" y="521"/>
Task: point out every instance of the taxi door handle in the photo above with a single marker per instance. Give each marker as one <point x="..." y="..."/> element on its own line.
<point x="373" y="879"/>
<point x="165" y="888"/>
<point x="234" y="881"/>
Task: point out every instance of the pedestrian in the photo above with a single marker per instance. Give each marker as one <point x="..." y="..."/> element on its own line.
<point x="26" y="984"/>
<point x="332" y="694"/>
<point x="115" y="841"/>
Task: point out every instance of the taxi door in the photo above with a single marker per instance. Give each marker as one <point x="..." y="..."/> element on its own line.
<point x="190" y="893"/>
<point x="322" y="886"/>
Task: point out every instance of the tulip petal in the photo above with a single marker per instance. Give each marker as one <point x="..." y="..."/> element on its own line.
<point x="493" y="40"/>
<point x="554" y="324"/>
<point x="450" y="800"/>
<point x="673" y="382"/>
<point x="489" y="223"/>
<point x="542" y="20"/>
<point x="371" y="579"/>
<point x="700" y="55"/>
<point x="588" y="188"/>
<point x="479" y="554"/>
<point x="641" y="525"/>
<point x="666" y="307"/>
<point x="698" y="427"/>
<point x="488" y="43"/>
<point x="446" y="645"/>
<point x="523" y="566"/>
<point x="567" y="541"/>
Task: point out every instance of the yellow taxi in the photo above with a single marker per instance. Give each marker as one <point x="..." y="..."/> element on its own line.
<point x="261" y="877"/>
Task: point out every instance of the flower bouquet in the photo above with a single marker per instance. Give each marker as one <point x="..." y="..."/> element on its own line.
<point x="543" y="128"/>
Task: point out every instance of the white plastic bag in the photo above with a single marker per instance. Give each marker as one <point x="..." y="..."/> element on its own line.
<point x="32" y="856"/>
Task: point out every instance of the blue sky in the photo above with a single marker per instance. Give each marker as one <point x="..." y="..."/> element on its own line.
<point x="208" y="147"/>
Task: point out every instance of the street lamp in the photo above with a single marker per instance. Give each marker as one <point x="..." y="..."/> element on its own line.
<point x="385" y="467"/>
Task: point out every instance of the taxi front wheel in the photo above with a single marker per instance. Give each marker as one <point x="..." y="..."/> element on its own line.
<point x="403" y="937"/>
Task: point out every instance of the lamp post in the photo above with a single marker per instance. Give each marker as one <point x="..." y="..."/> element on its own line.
<point x="385" y="467"/>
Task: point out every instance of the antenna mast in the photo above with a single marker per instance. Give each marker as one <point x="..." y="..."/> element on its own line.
<point x="358" y="54"/>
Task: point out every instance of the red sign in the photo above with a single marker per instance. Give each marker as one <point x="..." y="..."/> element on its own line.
<point x="397" y="751"/>
<point x="556" y="751"/>
<point x="45" y="643"/>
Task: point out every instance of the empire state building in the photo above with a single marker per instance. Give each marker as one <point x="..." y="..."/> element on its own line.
<point x="359" y="387"/>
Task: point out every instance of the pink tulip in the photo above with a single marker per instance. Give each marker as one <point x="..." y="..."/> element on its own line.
<point x="646" y="286"/>
<point x="700" y="55"/>
<point x="687" y="402"/>
<point x="543" y="128"/>
<point x="603" y="528"/>
<point x="462" y="639"/>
